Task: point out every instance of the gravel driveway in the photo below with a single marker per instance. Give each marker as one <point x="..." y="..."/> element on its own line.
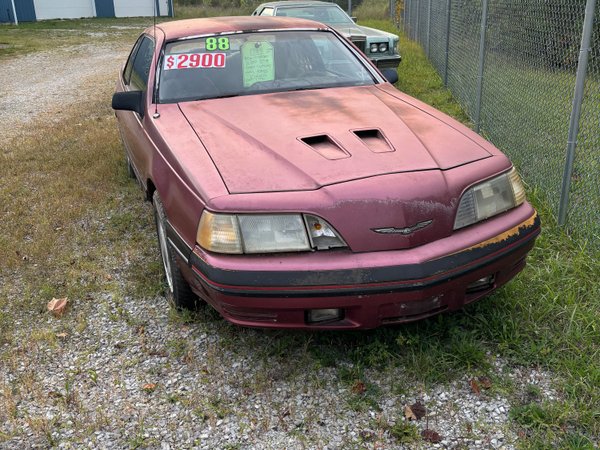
<point x="48" y="82"/>
<point x="129" y="374"/>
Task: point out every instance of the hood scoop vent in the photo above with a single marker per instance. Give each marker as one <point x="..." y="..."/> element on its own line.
<point x="375" y="140"/>
<point x="325" y="146"/>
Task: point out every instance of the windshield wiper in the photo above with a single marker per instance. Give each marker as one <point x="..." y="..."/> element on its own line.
<point x="310" y="88"/>
<point x="195" y="99"/>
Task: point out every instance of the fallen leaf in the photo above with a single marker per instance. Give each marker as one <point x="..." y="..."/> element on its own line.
<point x="409" y="414"/>
<point x="485" y="382"/>
<point x="359" y="387"/>
<point x="149" y="387"/>
<point x="418" y="410"/>
<point x="57" y="306"/>
<point x="431" y="436"/>
<point x="475" y="386"/>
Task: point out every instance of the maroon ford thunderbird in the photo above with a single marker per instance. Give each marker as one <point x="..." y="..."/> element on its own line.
<point x="294" y="186"/>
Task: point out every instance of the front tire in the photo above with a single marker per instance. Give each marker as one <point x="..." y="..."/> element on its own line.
<point x="178" y="291"/>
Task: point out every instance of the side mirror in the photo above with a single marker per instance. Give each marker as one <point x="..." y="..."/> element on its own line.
<point x="129" y="101"/>
<point x="354" y="19"/>
<point x="390" y="74"/>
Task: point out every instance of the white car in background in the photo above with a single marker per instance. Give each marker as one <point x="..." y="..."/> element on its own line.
<point x="381" y="47"/>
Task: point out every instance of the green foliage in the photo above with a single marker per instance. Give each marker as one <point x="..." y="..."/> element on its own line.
<point x="371" y="9"/>
<point x="222" y="4"/>
<point x="405" y="432"/>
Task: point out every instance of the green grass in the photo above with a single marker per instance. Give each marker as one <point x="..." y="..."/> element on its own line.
<point x="28" y="37"/>
<point x="192" y="11"/>
<point x="372" y="10"/>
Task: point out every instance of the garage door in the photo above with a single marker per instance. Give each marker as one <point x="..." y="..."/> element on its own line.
<point x="64" y="9"/>
<point x="137" y="8"/>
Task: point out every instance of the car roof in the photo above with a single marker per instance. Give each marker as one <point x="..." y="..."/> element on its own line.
<point x="297" y="3"/>
<point x="178" y="29"/>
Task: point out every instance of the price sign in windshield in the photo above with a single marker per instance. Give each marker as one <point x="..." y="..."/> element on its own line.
<point x="195" y="61"/>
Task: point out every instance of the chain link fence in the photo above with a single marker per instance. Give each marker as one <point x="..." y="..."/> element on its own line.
<point x="518" y="69"/>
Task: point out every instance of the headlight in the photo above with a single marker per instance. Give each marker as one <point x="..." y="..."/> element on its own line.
<point x="265" y="233"/>
<point x="374" y="48"/>
<point x="490" y="198"/>
<point x="383" y="47"/>
<point x="283" y="233"/>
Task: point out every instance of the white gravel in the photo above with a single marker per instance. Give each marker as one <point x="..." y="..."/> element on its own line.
<point x="210" y="385"/>
<point x="48" y="82"/>
<point x="78" y="381"/>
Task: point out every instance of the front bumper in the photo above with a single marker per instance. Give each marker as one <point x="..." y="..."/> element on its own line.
<point x="371" y="289"/>
<point x="387" y="62"/>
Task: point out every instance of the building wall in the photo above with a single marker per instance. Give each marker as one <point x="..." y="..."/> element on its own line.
<point x="31" y="10"/>
<point x="64" y="9"/>
<point x="134" y="8"/>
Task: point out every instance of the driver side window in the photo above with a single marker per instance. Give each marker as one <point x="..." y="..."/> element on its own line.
<point x="141" y="65"/>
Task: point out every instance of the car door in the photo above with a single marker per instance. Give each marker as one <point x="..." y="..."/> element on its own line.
<point x="135" y="78"/>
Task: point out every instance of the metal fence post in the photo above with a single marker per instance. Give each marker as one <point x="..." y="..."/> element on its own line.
<point x="393" y="11"/>
<point x="350" y="8"/>
<point x="447" y="54"/>
<point x="409" y="15"/>
<point x="428" y="27"/>
<point x="484" y="17"/>
<point x="417" y="25"/>
<point x="584" y="51"/>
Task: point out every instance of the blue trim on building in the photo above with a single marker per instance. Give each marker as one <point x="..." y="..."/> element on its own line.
<point x="6" y="12"/>
<point x="105" y="8"/>
<point x="25" y="10"/>
<point x="170" y="2"/>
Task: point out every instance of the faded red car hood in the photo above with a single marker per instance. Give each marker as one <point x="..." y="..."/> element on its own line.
<point x="263" y="143"/>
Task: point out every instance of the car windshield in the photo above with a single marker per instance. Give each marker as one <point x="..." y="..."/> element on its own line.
<point x="331" y="15"/>
<point x="252" y="63"/>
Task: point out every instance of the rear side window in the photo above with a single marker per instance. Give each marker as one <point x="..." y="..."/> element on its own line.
<point x="141" y="64"/>
<point x="129" y="65"/>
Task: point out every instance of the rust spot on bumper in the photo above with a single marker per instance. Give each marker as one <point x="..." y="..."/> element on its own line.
<point x="515" y="231"/>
